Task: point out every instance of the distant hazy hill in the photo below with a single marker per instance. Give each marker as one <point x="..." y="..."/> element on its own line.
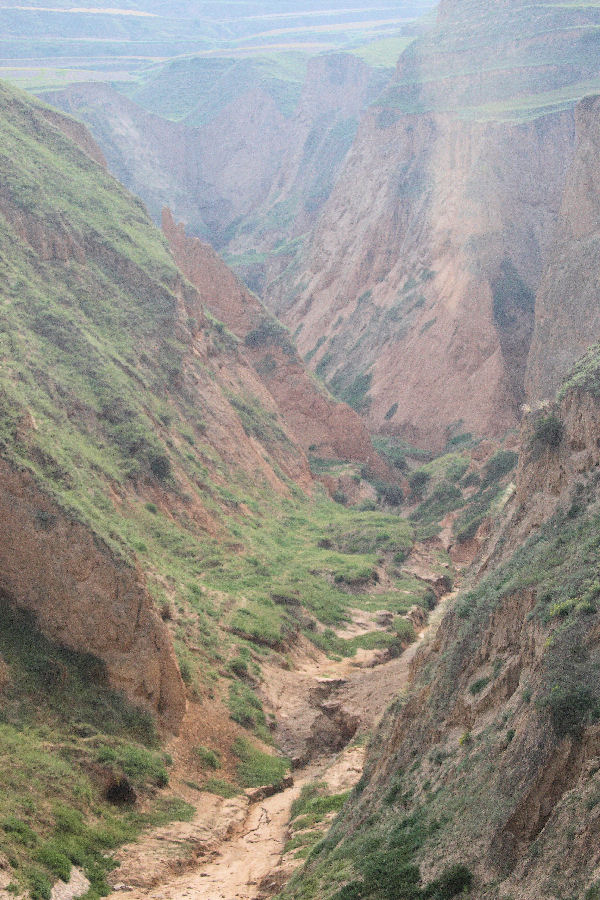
<point x="44" y="45"/>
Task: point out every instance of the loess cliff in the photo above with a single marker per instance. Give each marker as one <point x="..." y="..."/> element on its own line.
<point x="428" y="255"/>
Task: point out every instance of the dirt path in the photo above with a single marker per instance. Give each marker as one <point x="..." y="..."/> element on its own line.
<point x="233" y="849"/>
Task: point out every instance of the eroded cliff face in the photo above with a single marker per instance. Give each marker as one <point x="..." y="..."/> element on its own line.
<point x="567" y="315"/>
<point x="423" y="280"/>
<point x="85" y="598"/>
<point x="315" y="420"/>
<point x="427" y="257"/>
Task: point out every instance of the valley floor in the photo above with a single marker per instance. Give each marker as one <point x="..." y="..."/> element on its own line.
<point x="236" y="848"/>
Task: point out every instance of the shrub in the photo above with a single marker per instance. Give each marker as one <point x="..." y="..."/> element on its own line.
<point x="570" y="707"/>
<point x="418" y="481"/>
<point x="389" y="873"/>
<point x="500" y="464"/>
<point x="257" y="768"/>
<point x="479" y="685"/>
<point x="160" y="466"/>
<point x="68" y="820"/>
<point x="40" y="887"/>
<point x="246" y="709"/>
<point x="453" y="881"/>
<point x="238" y="667"/>
<point x="220" y="787"/>
<point x="547" y="431"/>
<point x="340" y="497"/>
<point x="270" y="332"/>
<point x="55" y="861"/>
<point x="389" y="493"/>
<point x="136" y="762"/>
<point x="166" y="611"/>
<point x="404" y="635"/>
<point x="351" y="891"/>
<point x="209" y="759"/>
<point x="185" y="671"/>
<point x="20" y="831"/>
<point x="561" y="609"/>
<point x="471" y="479"/>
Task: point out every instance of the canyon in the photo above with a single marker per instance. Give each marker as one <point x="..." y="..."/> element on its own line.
<point x="299" y="493"/>
<point x="444" y="253"/>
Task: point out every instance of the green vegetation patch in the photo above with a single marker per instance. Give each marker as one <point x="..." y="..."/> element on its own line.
<point x="257" y="768"/>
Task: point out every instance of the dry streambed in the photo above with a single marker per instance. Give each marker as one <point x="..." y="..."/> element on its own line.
<point x="234" y="849"/>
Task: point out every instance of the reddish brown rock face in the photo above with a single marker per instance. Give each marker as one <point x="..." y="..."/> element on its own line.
<point x="313" y="418"/>
<point x="567" y="317"/>
<point x="428" y="284"/>
<point x="84" y="598"/>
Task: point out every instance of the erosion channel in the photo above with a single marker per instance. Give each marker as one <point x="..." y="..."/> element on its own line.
<point x="236" y="848"/>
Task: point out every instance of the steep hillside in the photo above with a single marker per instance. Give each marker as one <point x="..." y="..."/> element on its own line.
<point x="319" y="424"/>
<point x="111" y="373"/>
<point x="438" y="256"/>
<point x="484" y="778"/>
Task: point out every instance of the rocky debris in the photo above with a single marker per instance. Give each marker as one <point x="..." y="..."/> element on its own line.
<point x="77" y="886"/>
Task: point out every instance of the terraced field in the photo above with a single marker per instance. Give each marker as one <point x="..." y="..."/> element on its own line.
<point x="57" y="45"/>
